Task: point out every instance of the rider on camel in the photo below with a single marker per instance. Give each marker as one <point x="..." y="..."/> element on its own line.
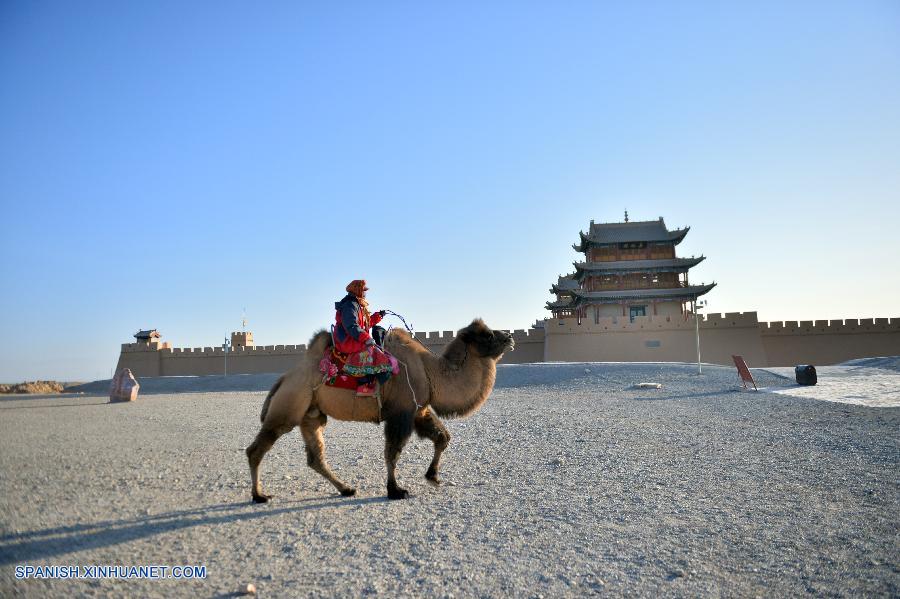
<point x="353" y="321"/>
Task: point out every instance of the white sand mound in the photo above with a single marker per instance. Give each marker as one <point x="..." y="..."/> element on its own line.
<point x="872" y="382"/>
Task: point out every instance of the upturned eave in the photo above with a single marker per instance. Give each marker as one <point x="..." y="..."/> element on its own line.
<point x="617" y="296"/>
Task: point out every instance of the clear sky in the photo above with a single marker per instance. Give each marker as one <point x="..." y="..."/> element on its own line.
<point x="168" y="164"/>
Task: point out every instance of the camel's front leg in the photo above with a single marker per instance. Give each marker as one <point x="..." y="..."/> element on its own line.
<point x="397" y="429"/>
<point x="429" y="427"/>
<point x="311" y="428"/>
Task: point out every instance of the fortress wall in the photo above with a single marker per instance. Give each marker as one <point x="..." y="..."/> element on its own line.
<point x="145" y="361"/>
<point x="655" y="339"/>
<point x="198" y="361"/>
<point x="825" y="342"/>
<point x="241" y="360"/>
<point x="722" y="338"/>
<point x="436" y="341"/>
<point x="614" y="339"/>
<point x="529" y="347"/>
<point x="140" y="358"/>
<point x="257" y="360"/>
<point x="721" y="335"/>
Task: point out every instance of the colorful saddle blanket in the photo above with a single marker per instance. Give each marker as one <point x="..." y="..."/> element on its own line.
<point x="346" y="370"/>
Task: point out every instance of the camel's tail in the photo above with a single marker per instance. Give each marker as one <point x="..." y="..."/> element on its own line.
<point x="265" y="408"/>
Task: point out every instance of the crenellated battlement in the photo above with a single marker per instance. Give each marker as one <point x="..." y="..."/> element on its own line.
<point x="831" y="327"/>
<point x="448" y="336"/>
<point x="145" y="347"/>
<point x="529" y="334"/>
<point x="237" y="351"/>
<point x="194" y="352"/>
<point x="728" y="320"/>
<point x="649" y="323"/>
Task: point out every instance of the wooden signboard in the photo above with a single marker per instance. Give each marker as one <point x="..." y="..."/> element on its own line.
<point x="742" y="369"/>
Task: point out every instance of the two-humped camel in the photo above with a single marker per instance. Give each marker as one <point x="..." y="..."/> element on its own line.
<point x="453" y="384"/>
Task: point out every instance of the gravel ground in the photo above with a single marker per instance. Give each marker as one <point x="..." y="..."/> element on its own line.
<point x="568" y="482"/>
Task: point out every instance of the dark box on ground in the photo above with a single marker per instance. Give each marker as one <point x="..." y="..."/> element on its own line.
<point x="806" y="374"/>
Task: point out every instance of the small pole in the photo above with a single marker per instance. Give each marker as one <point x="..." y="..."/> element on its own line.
<point x="225" y="347"/>
<point x="697" y="306"/>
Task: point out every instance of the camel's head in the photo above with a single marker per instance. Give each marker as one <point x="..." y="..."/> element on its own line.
<point x="485" y="342"/>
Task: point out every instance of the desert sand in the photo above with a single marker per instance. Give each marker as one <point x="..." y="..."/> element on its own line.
<point x="570" y="481"/>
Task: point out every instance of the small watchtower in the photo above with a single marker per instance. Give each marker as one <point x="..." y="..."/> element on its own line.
<point x="241" y="339"/>
<point x="150" y="339"/>
<point x="149" y="336"/>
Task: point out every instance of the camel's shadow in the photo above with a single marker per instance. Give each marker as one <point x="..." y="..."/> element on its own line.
<point x="51" y="542"/>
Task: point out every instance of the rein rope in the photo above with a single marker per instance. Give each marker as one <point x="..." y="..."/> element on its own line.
<point x="409" y="328"/>
<point x="405" y="367"/>
<point x="412" y="334"/>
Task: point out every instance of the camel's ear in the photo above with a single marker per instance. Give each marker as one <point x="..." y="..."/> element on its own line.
<point x="455" y="352"/>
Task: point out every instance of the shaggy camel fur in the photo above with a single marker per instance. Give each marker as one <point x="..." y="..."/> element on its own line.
<point x="454" y="384"/>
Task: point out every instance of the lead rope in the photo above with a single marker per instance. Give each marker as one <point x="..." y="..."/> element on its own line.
<point x="408" y="381"/>
<point x="405" y="367"/>
<point x="409" y="328"/>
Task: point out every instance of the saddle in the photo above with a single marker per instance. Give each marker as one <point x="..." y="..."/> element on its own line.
<point x="358" y="371"/>
<point x="331" y="366"/>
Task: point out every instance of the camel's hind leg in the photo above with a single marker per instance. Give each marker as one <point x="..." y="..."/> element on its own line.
<point x="429" y="427"/>
<point x="264" y="441"/>
<point x="397" y="429"/>
<point x="311" y="428"/>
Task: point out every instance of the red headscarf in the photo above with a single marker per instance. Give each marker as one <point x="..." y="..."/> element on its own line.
<point x="357" y="287"/>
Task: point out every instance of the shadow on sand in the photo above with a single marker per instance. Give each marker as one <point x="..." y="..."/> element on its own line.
<point x="689" y="395"/>
<point x="56" y="405"/>
<point x="42" y="544"/>
<point x="25" y="401"/>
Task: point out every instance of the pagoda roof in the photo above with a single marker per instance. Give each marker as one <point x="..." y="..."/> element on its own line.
<point x="615" y="296"/>
<point x="565" y="303"/>
<point x="613" y="233"/>
<point x="148" y="334"/>
<point x="565" y="284"/>
<point x="582" y="298"/>
<point x="620" y="266"/>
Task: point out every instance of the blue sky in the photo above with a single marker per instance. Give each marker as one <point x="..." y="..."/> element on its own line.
<point x="167" y="166"/>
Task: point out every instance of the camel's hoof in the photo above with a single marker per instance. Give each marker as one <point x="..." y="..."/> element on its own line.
<point x="260" y="498"/>
<point x="348" y="492"/>
<point x="398" y="493"/>
<point x="433" y="480"/>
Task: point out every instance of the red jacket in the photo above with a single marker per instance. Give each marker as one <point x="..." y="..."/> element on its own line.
<point x="352" y="325"/>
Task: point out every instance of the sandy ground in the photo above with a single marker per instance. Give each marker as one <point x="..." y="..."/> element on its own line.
<point x="568" y="482"/>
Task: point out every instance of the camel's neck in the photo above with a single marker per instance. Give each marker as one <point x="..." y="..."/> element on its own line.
<point x="460" y="389"/>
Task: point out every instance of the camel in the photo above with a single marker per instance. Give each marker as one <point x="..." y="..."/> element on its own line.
<point x="454" y="384"/>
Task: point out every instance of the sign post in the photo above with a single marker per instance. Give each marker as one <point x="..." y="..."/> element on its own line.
<point x="225" y="347"/>
<point x="697" y="307"/>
